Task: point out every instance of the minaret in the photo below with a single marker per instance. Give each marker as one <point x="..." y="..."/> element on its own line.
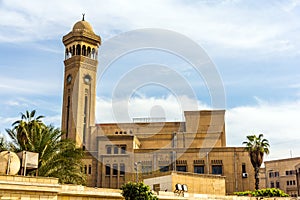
<point x="79" y="95"/>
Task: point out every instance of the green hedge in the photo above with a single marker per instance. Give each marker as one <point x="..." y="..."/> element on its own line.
<point x="268" y="192"/>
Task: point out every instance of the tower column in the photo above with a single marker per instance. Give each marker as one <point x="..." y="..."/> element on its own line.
<point x="79" y="94"/>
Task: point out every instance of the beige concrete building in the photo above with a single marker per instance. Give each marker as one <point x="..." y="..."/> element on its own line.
<point x="282" y="174"/>
<point x="196" y="183"/>
<point x="121" y="152"/>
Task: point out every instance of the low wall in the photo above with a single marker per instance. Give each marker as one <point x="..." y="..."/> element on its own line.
<point x="38" y="188"/>
<point x="196" y="183"/>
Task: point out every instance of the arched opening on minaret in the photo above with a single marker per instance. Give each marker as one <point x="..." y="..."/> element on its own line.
<point x="93" y="53"/>
<point x="89" y="52"/>
<point x="67" y="54"/>
<point x="78" y="49"/>
<point x="73" y="50"/>
<point x="84" y="50"/>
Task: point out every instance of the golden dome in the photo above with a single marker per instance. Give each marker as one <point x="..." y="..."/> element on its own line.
<point x="82" y="26"/>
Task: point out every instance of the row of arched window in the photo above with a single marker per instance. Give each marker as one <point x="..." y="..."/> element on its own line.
<point x="82" y="51"/>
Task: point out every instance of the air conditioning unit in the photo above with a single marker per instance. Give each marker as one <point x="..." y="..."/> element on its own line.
<point x="245" y="175"/>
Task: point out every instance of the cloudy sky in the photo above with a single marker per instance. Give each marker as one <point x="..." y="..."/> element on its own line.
<point x="254" y="46"/>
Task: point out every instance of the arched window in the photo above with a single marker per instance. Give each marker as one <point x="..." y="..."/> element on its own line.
<point x="89" y="52"/>
<point x="70" y="52"/>
<point x="78" y="49"/>
<point x="93" y="53"/>
<point x="83" y="50"/>
<point x="67" y="54"/>
<point x="108" y="150"/>
<point x="73" y="50"/>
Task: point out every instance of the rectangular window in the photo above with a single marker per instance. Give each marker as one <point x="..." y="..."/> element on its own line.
<point x="147" y="169"/>
<point x="217" y="169"/>
<point x="181" y="168"/>
<point x="123" y="149"/>
<point x="287" y="183"/>
<point x="243" y="168"/>
<point x="163" y="168"/>
<point x="85" y="169"/>
<point x="294" y="182"/>
<point x="115" y="169"/>
<point x="286" y="172"/>
<point x="116" y="150"/>
<point x="108" y="150"/>
<point x="107" y="170"/>
<point x="276" y="174"/>
<point x="199" y="169"/>
<point x="277" y="184"/>
<point x="271" y="175"/>
<point x="272" y="184"/>
<point x="122" y="169"/>
<point x="90" y="169"/>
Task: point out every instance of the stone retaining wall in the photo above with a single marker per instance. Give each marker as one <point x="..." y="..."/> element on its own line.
<point x="38" y="188"/>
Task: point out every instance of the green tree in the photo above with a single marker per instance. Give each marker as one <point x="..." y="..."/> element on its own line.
<point x="137" y="191"/>
<point x="257" y="147"/>
<point x="57" y="157"/>
<point x="25" y="131"/>
<point x="3" y="144"/>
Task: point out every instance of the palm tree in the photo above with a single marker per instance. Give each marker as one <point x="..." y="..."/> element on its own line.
<point x="3" y="144"/>
<point x="57" y="157"/>
<point x="257" y="147"/>
<point x="23" y="131"/>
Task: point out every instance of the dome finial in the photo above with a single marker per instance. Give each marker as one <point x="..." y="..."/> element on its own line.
<point x="83" y="16"/>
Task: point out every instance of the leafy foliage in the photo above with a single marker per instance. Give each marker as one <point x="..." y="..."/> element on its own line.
<point x="268" y="192"/>
<point x="257" y="147"/>
<point x="137" y="191"/>
<point x="57" y="157"/>
<point x="3" y="144"/>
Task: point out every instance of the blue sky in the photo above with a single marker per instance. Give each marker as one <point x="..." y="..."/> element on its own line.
<point x="255" y="45"/>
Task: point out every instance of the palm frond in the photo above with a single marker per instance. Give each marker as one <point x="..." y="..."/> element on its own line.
<point x="57" y="158"/>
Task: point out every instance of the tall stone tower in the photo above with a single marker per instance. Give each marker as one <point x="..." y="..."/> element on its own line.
<point x="79" y="93"/>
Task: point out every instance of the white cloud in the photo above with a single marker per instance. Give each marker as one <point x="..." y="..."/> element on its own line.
<point x="10" y="85"/>
<point x="234" y="25"/>
<point x="171" y="108"/>
<point x="54" y="120"/>
<point x="279" y="122"/>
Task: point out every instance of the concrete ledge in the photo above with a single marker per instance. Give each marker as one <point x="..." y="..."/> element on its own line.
<point x="38" y="188"/>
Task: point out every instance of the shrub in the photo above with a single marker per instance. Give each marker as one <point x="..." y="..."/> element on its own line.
<point x="268" y="192"/>
<point x="137" y="191"/>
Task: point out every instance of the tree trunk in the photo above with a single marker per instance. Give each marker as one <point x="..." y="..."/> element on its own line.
<point x="256" y="172"/>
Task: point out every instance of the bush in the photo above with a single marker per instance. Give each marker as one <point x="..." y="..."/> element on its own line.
<point x="268" y="192"/>
<point x="137" y="191"/>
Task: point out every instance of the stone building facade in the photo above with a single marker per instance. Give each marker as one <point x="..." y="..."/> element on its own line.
<point x="121" y="152"/>
<point x="282" y="174"/>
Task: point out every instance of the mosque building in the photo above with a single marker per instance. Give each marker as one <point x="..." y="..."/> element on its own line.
<point x="120" y="152"/>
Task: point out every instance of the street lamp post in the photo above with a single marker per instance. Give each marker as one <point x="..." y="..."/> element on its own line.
<point x="136" y="170"/>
